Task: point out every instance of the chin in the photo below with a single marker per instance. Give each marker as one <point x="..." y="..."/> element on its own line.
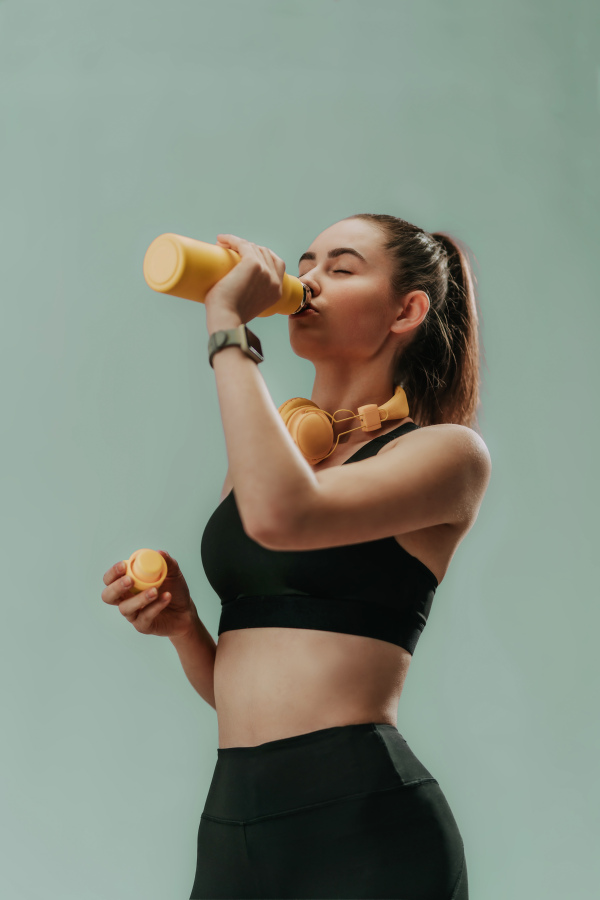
<point x="299" y="339"/>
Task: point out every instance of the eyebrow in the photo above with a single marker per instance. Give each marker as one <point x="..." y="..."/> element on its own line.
<point x="339" y="251"/>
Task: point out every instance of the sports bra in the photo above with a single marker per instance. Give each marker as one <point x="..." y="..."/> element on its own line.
<point x="375" y="588"/>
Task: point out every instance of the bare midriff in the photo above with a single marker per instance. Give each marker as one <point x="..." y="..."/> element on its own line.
<point x="273" y="683"/>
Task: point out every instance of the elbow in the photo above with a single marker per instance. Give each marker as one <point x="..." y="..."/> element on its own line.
<point x="256" y="525"/>
<point x="280" y="528"/>
<point x="269" y="534"/>
<point x="275" y="532"/>
<point x="285" y="533"/>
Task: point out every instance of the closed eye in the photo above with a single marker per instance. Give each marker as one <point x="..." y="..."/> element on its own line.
<point x="343" y="271"/>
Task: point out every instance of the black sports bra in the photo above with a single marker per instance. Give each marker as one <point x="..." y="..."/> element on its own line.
<point x="375" y="588"/>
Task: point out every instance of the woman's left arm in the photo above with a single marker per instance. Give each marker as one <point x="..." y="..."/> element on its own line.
<point x="269" y="473"/>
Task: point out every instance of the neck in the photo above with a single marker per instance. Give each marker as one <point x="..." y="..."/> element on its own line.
<point x="345" y="388"/>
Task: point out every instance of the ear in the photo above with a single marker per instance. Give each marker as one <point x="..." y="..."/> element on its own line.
<point x="415" y="307"/>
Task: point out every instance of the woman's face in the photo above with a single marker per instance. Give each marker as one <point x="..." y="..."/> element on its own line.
<point x="352" y="294"/>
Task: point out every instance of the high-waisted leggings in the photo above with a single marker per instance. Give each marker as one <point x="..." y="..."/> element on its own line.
<point x="345" y="812"/>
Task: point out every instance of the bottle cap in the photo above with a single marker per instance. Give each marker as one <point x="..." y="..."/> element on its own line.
<point x="147" y="568"/>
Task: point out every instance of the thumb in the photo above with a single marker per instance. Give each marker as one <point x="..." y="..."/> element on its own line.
<point x="168" y="559"/>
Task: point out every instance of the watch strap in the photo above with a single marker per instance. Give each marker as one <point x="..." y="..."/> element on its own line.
<point x="240" y="337"/>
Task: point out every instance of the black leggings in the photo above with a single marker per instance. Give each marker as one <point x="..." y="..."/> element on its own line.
<point x="345" y="812"/>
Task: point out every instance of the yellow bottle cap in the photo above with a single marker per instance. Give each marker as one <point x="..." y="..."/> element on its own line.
<point x="147" y="565"/>
<point x="147" y="568"/>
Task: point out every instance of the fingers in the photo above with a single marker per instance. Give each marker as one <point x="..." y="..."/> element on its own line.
<point x="232" y="239"/>
<point x="114" y="572"/>
<point x="240" y="244"/>
<point x="141" y="611"/>
<point x="115" y="579"/>
<point x="116" y="589"/>
<point x="169" y="559"/>
<point x="273" y="261"/>
<point x="249" y="252"/>
<point x="131" y="606"/>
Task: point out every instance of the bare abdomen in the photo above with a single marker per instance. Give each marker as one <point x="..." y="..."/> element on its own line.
<point x="273" y="683"/>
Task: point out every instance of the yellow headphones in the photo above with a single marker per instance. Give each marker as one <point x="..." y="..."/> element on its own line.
<point x="312" y="431"/>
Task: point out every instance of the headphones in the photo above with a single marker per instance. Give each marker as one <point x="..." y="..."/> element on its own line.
<point x="312" y="431"/>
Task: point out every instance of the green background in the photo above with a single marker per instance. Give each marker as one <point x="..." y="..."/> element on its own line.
<point x="122" y="120"/>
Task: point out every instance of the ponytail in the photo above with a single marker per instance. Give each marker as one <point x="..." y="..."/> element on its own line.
<point x="439" y="368"/>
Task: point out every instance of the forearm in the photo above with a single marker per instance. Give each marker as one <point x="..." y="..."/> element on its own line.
<point x="197" y="651"/>
<point x="270" y="476"/>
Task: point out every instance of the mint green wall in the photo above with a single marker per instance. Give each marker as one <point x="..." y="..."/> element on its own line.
<point x="121" y="120"/>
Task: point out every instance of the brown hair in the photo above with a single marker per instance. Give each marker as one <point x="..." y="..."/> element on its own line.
<point x="439" y="368"/>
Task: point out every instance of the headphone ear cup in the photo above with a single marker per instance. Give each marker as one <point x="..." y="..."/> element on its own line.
<point x="287" y="408"/>
<point x="312" y="433"/>
<point x="309" y="426"/>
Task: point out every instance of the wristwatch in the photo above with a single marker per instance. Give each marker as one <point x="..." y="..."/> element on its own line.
<point x="240" y="337"/>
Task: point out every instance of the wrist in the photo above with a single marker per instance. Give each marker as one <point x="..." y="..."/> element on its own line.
<point x="190" y="634"/>
<point x="221" y="319"/>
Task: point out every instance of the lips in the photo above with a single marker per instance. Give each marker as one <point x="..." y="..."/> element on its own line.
<point x="307" y="306"/>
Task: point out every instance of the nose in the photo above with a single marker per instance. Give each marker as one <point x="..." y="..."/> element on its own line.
<point x="310" y="283"/>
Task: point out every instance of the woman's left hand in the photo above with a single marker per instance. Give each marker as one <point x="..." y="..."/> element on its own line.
<point x="253" y="285"/>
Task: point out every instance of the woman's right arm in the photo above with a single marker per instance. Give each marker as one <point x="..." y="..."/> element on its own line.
<point x="173" y="615"/>
<point x="197" y="650"/>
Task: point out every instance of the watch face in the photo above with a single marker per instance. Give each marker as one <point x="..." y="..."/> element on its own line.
<point x="254" y="344"/>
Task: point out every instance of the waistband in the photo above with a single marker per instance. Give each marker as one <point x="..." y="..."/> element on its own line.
<point x="322" y="766"/>
<point x="349" y="616"/>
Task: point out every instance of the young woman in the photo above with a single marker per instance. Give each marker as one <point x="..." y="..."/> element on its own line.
<point x="327" y="571"/>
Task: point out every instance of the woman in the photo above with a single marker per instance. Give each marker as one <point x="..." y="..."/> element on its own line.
<point x="327" y="571"/>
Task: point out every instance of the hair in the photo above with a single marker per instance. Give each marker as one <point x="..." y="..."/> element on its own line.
<point x="439" y="368"/>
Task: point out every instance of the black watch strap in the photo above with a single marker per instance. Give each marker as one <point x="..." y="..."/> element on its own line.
<point x="240" y="337"/>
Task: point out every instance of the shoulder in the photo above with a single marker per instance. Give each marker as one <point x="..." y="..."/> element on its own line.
<point x="464" y="441"/>
<point x="458" y="452"/>
<point x="458" y="439"/>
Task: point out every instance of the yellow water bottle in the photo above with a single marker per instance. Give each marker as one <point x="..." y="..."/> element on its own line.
<point x="184" y="267"/>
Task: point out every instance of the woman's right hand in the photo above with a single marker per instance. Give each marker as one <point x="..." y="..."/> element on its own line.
<point x="171" y="614"/>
